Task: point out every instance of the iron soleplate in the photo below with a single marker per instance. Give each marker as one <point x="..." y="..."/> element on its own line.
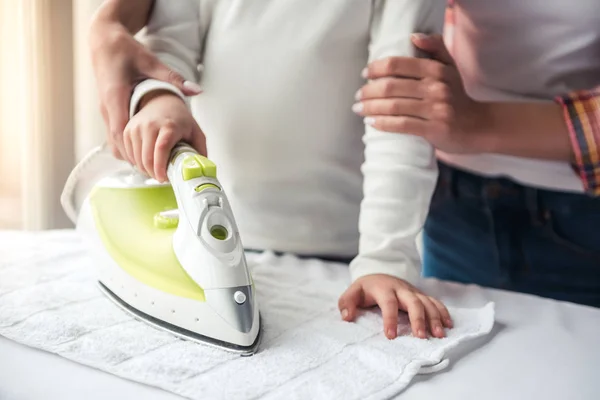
<point x="182" y="333"/>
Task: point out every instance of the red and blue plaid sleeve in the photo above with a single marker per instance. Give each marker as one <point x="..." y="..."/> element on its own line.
<point x="582" y="113"/>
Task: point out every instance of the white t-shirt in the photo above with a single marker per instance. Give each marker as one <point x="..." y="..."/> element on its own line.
<point x="525" y="50"/>
<point x="302" y="172"/>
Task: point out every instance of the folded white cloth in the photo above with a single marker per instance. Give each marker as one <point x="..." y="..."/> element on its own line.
<point x="49" y="300"/>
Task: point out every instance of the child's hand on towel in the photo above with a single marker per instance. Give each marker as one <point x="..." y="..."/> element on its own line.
<point x="162" y="122"/>
<point x="392" y="294"/>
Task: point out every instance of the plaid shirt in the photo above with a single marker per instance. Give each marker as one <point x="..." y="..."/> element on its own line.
<point x="581" y="110"/>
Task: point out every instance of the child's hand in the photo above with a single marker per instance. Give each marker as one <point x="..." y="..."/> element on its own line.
<point x="393" y="294"/>
<point x="162" y="122"/>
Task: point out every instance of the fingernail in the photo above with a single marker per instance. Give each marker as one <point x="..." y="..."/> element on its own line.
<point x="391" y="333"/>
<point x="369" y="121"/>
<point x="358" y="108"/>
<point x="365" y="73"/>
<point x="448" y="322"/>
<point x="419" y="36"/>
<point x="192" y="86"/>
<point x="344" y="313"/>
<point x="358" y="95"/>
<point x="439" y="330"/>
<point x="421" y="333"/>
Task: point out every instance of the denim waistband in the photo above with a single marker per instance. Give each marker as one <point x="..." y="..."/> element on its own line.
<point x="461" y="184"/>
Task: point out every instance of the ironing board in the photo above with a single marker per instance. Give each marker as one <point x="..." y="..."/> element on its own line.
<point x="539" y="348"/>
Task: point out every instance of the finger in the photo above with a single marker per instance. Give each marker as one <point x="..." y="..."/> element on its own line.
<point x="154" y="68"/>
<point x="391" y="87"/>
<point x="128" y="145"/>
<point x="433" y="317"/>
<point x="434" y="45"/>
<point x="408" y="125"/>
<point x="416" y="312"/>
<point x="388" y="302"/>
<point x="393" y="107"/>
<point x="148" y="145"/>
<point x="136" y="147"/>
<point x="407" y="67"/>
<point x="198" y="139"/>
<point x="350" y="301"/>
<point x="167" y="139"/>
<point x="444" y="313"/>
<point x="116" y="100"/>
<point x="116" y="152"/>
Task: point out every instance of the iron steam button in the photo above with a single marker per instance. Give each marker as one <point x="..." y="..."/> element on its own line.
<point x="191" y="168"/>
<point x="239" y="297"/>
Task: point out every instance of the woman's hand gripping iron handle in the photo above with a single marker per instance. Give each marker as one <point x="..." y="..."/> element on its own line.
<point x="207" y="242"/>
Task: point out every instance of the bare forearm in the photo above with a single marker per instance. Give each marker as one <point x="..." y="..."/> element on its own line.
<point x="132" y="14"/>
<point x="536" y="130"/>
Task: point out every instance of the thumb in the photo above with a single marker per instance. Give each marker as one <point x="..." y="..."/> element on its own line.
<point x="158" y="70"/>
<point x="434" y="45"/>
<point x="349" y="302"/>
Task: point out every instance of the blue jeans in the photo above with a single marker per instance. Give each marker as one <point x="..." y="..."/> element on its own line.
<point x="499" y="234"/>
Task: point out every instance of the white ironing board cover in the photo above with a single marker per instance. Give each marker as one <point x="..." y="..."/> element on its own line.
<point x="49" y="300"/>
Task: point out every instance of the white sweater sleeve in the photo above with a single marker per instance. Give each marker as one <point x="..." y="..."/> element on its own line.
<point x="399" y="169"/>
<point x="175" y="34"/>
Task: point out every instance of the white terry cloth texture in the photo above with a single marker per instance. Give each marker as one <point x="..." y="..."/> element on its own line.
<point x="49" y="300"/>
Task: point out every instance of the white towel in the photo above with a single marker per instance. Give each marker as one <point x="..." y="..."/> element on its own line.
<point x="49" y="300"/>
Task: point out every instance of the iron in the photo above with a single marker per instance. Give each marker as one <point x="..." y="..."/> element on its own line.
<point x="169" y="254"/>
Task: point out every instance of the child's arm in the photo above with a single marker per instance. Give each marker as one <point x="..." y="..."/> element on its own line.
<point x="399" y="178"/>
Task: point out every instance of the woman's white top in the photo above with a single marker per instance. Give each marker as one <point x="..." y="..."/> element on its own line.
<point x="525" y="50"/>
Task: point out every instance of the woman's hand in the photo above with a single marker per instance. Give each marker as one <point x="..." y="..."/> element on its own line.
<point x="391" y="294"/>
<point x="119" y="62"/>
<point x="423" y="97"/>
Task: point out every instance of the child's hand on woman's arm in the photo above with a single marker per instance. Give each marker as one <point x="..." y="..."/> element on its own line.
<point x="391" y="294"/>
<point x="162" y="121"/>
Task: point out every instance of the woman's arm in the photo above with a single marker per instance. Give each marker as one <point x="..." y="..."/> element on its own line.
<point x="131" y="14"/>
<point x="535" y="130"/>
<point x="566" y="130"/>
<point x="426" y="97"/>
<point x="120" y="61"/>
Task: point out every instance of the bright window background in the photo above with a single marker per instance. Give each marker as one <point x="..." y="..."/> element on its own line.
<point x="11" y="114"/>
<point x="48" y="107"/>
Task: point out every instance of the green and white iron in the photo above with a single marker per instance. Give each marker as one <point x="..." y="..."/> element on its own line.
<point x="170" y="254"/>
